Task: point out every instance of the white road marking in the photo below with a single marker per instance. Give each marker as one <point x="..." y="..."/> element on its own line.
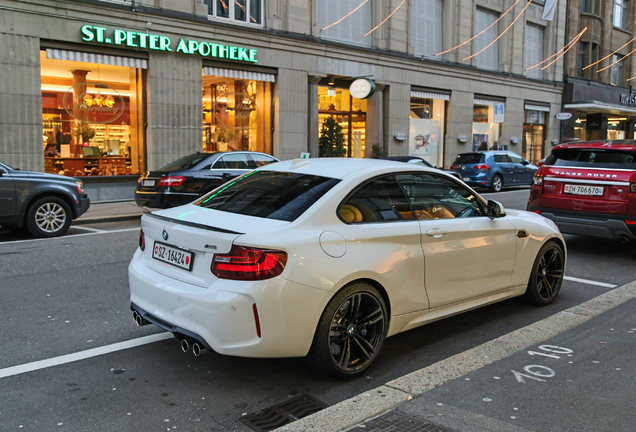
<point x="585" y="281"/>
<point x="82" y="355"/>
<point x="69" y="236"/>
<point x="89" y="229"/>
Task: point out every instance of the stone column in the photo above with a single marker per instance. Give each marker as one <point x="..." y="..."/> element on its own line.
<point x="374" y="125"/>
<point x="313" y="119"/>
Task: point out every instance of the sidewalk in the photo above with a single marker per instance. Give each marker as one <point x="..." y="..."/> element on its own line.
<point x="110" y="212"/>
<point x="573" y="371"/>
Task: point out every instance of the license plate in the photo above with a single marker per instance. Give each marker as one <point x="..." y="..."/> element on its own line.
<point x="584" y="190"/>
<point x="149" y="183"/>
<point x="466" y="179"/>
<point x="173" y="255"/>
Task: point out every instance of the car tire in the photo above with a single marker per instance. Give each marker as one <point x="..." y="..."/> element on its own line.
<point x="546" y="276"/>
<point x="497" y="183"/>
<point x="49" y="217"/>
<point x="350" y="333"/>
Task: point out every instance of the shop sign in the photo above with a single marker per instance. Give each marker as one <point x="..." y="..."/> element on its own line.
<point x="105" y="106"/>
<point x="499" y="112"/>
<point x="134" y="39"/>
<point x="564" y="116"/>
<point x="362" y="88"/>
<point x="628" y="99"/>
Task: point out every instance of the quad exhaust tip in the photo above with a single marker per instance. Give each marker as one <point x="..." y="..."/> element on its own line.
<point x="196" y="349"/>
<point x="185" y="345"/>
<point x="139" y="320"/>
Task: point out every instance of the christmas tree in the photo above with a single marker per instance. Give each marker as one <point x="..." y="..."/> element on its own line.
<point x="331" y="139"/>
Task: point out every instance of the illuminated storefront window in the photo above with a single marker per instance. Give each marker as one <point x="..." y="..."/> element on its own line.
<point x="237" y="114"/>
<point x="351" y="114"/>
<point x="91" y="117"/>
<point x="533" y="135"/>
<point x="426" y="137"/>
<point x="486" y="128"/>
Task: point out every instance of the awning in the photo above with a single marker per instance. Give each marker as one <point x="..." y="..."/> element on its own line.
<point x="429" y="95"/>
<point x="533" y="107"/>
<point x="600" y="107"/>
<point x="486" y="102"/>
<point x="239" y="74"/>
<point x="58" y="54"/>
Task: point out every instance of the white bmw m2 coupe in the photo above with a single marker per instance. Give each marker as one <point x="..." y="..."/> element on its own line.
<point x="325" y="258"/>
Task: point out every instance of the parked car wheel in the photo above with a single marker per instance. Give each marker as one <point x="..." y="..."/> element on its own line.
<point x="350" y="332"/>
<point x="547" y="275"/>
<point x="49" y="217"/>
<point x="497" y="183"/>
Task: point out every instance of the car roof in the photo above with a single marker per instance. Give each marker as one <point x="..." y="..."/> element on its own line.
<point x="615" y="144"/>
<point x="340" y="168"/>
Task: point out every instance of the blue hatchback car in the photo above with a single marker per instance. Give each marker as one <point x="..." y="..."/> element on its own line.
<point x="494" y="169"/>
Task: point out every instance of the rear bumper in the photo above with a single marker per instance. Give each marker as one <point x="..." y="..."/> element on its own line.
<point x="163" y="199"/>
<point x="589" y="224"/>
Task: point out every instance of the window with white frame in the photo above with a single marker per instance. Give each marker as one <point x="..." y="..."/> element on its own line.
<point x="533" y="54"/>
<point x="617" y="70"/>
<point x="426" y="27"/>
<point x="620" y="14"/>
<point x="489" y="58"/>
<point x="350" y="30"/>
<point x="238" y="11"/>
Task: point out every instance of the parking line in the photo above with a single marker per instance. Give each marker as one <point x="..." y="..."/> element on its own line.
<point x="589" y="282"/>
<point x="69" y="236"/>
<point x="82" y="355"/>
<point x="89" y="229"/>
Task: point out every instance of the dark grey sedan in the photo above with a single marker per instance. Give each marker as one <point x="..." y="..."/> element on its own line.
<point x="44" y="203"/>
<point x="189" y="177"/>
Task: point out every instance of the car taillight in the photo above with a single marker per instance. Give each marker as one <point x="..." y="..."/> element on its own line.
<point x="171" y="181"/>
<point x="482" y="167"/>
<point x="80" y="187"/>
<point x="630" y="222"/>
<point x="142" y="240"/>
<point x="453" y="167"/>
<point x="632" y="187"/>
<point x="537" y="180"/>
<point x="540" y="163"/>
<point x="244" y="263"/>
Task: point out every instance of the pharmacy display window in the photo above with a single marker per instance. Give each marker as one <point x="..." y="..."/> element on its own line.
<point x="91" y="114"/>
<point x="617" y="127"/>
<point x="426" y="126"/>
<point x="351" y="114"/>
<point x="486" y="132"/>
<point x="533" y="135"/>
<point x="237" y="112"/>
<point x="580" y="127"/>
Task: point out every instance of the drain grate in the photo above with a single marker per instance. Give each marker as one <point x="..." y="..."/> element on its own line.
<point x="286" y="412"/>
<point x="396" y="421"/>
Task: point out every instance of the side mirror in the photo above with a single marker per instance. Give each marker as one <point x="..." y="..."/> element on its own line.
<point x="525" y="162"/>
<point x="495" y="210"/>
<point x="2" y="172"/>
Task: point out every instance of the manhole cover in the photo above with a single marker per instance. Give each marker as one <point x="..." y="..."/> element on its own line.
<point x="286" y="412"/>
<point x="395" y="421"/>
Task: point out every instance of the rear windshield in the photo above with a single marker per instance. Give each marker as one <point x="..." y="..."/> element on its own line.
<point x="593" y="158"/>
<point x="469" y="158"/>
<point x="185" y="162"/>
<point x="269" y="194"/>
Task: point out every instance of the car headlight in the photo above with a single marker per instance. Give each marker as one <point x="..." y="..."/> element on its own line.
<point x="80" y="186"/>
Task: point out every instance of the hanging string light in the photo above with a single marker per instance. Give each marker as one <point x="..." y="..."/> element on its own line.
<point x="619" y="60"/>
<point x="341" y="19"/>
<point x="481" y="32"/>
<point x="385" y="19"/>
<point x="502" y="33"/>
<point x="568" y="49"/>
<point x="607" y="56"/>
<point x="565" y="49"/>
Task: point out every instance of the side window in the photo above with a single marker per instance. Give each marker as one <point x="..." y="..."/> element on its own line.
<point x="436" y="197"/>
<point x="234" y="161"/>
<point x="219" y="164"/>
<point x="261" y="160"/>
<point x="379" y="200"/>
<point x="515" y="159"/>
<point x="500" y="158"/>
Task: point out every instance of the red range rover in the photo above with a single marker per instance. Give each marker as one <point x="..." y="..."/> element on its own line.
<point x="589" y="188"/>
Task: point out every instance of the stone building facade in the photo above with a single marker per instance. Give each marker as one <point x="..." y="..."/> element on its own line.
<point x="154" y="80"/>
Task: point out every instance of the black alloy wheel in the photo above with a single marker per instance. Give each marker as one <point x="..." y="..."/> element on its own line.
<point x="547" y="275"/>
<point x="350" y="332"/>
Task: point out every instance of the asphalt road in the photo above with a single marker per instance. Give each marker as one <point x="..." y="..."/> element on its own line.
<point x="68" y="295"/>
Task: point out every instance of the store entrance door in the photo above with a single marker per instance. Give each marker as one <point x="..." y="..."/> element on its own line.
<point x="533" y="138"/>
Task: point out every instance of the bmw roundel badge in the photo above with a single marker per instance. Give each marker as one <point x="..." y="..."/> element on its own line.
<point x="164" y="234"/>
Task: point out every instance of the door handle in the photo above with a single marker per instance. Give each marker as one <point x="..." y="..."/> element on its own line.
<point x="435" y="232"/>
